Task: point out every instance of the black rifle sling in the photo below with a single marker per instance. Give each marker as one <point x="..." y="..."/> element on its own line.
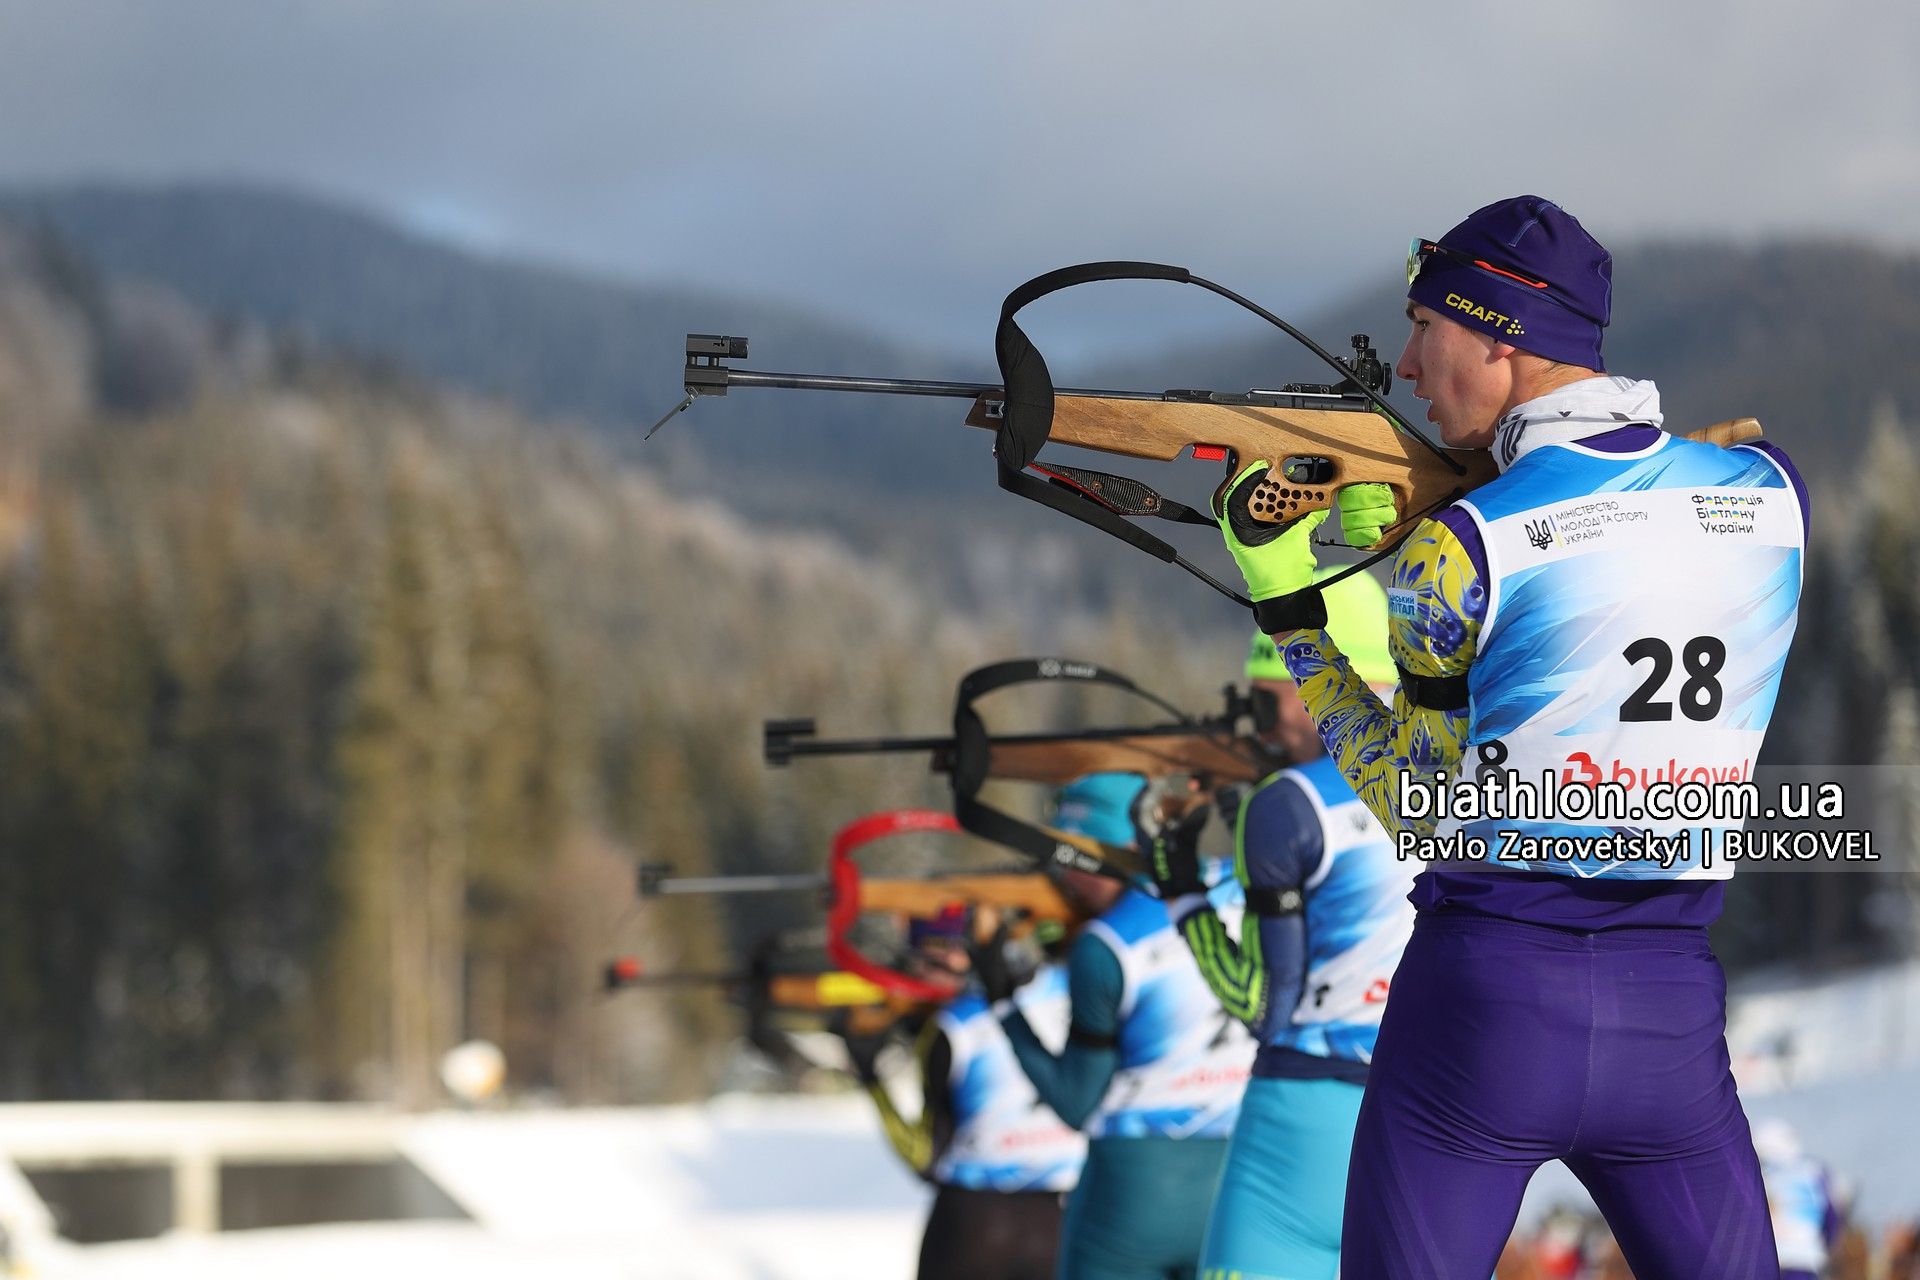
<point x="973" y="749"/>
<point x="1028" y="416"/>
<point x="1028" y="420"/>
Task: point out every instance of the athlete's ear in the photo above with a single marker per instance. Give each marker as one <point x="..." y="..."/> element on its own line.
<point x="1503" y="351"/>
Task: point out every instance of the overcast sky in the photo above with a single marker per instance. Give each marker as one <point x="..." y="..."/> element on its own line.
<point x="909" y="162"/>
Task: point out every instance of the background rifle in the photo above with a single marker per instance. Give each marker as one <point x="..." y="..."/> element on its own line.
<point x="1213" y="753"/>
<point x="916" y="897"/>
<point x="1021" y="899"/>
<point x="1210" y="751"/>
<point x="829" y="996"/>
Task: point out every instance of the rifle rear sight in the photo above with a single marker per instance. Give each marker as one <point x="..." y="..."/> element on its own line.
<point x="705" y="351"/>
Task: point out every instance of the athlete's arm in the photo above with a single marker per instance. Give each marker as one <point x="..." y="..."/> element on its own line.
<point x="1832" y="1220"/>
<point x="1277" y="846"/>
<point x="1074" y="1081"/>
<point x="920" y="1142"/>
<point x="1437" y="599"/>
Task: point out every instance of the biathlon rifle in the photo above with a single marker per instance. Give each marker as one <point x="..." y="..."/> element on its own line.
<point x="787" y="988"/>
<point x="1210" y="751"/>
<point x="768" y="990"/>
<point x="1021" y="898"/>
<point x="1317" y="437"/>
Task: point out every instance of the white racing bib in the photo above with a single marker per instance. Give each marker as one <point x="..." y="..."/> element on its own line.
<point x="1639" y="611"/>
<point x="1184" y="1061"/>
<point x="1004" y="1137"/>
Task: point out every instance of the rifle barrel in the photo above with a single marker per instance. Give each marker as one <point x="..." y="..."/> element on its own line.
<point x="864" y="746"/>
<point x="876" y="746"/>
<point x="735" y="884"/>
<point x="898" y="386"/>
<point x="687" y="979"/>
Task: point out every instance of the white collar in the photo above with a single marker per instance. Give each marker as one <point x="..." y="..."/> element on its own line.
<point x="1574" y="412"/>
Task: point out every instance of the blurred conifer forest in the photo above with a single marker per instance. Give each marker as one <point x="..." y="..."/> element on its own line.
<point x="335" y="713"/>
<point x="336" y="710"/>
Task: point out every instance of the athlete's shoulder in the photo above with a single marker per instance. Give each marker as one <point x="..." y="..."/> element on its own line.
<point x="1448" y="542"/>
<point x="1281" y="798"/>
<point x="1534" y="477"/>
<point x="1776" y="458"/>
<point x="967" y="1026"/>
<point x="1775" y="454"/>
<point x="969" y="1005"/>
<point x="1051" y="981"/>
<point x="1281" y="837"/>
<point x="1321" y="778"/>
<point x="1340" y="815"/>
<point x="1136" y="915"/>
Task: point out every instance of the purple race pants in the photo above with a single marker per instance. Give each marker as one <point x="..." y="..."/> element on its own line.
<point x="1507" y="1045"/>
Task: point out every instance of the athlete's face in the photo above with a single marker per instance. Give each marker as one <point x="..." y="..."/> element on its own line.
<point x="1090" y="894"/>
<point x="1293" y="731"/>
<point x="944" y="962"/>
<point x="1463" y="375"/>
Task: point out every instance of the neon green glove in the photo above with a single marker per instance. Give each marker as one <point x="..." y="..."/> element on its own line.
<point x="1366" y="512"/>
<point x="1275" y="559"/>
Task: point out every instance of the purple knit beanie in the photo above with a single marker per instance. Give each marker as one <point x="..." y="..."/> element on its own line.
<point x="1526" y="272"/>
<point x="950" y="925"/>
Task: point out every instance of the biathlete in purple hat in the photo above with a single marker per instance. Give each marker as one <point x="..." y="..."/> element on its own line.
<point x="1615" y="606"/>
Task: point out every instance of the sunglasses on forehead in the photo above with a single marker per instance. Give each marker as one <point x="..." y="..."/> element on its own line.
<point x="1419" y="250"/>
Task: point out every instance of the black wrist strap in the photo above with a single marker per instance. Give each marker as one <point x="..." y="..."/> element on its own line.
<point x="1304" y="610"/>
<point x="1435" y="693"/>
<point x="1275" y="902"/>
<point x="1086" y="1039"/>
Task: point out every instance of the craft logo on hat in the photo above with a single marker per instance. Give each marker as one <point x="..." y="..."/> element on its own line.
<point x="1486" y="314"/>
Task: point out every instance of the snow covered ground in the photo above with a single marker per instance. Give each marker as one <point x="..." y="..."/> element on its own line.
<point x="805" y="1188"/>
<point x="1786" y="1032"/>
<point x="740" y="1189"/>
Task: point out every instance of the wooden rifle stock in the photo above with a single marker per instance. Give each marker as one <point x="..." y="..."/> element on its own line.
<point x="1326" y="449"/>
<point x="1206" y="757"/>
<point x="854" y="1004"/>
<point x="861" y="1008"/>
